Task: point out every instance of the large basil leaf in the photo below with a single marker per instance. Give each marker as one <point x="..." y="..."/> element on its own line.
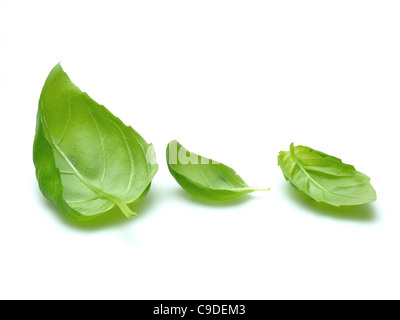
<point x="325" y="178"/>
<point x="204" y="178"/>
<point x="87" y="161"/>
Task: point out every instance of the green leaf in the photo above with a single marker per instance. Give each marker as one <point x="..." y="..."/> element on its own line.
<point x="204" y="178"/>
<point x="325" y="178"/>
<point x="87" y="161"/>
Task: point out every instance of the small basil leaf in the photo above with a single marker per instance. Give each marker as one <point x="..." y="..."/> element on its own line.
<point x="325" y="178"/>
<point x="87" y="161"/>
<point x="204" y="178"/>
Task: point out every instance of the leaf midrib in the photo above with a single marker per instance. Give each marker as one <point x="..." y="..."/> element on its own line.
<point x="100" y="192"/>
<point x="315" y="182"/>
<point x="304" y="171"/>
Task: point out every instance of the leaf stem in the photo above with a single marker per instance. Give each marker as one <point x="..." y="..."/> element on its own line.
<point x="261" y="189"/>
<point x="125" y="209"/>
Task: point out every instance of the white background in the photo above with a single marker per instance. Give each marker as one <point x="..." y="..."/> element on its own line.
<point x="236" y="81"/>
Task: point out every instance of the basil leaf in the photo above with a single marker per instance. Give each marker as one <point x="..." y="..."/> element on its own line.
<point x="325" y="178"/>
<point x="87" y="161"/>
<point x="204" y="178"/>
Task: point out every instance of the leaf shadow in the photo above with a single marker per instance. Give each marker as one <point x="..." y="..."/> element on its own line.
<point x="361" y="213"/>
<point x="209" y="203"/>
<point x="109" y="219"/>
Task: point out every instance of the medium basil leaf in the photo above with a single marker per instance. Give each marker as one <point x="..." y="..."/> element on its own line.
<point x="202" y="177"/>
<point x="325" y="178"/>
<point x="87" y="161"/>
